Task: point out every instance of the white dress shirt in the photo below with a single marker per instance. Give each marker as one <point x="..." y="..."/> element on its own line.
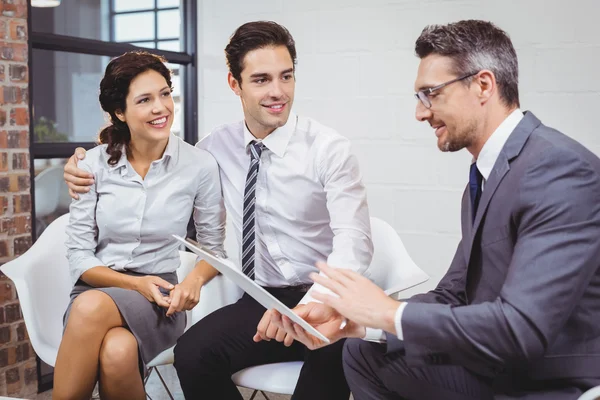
<point x="126" y="222"/>
<point x="485" y="163"/>
<point x="311" y="204"/>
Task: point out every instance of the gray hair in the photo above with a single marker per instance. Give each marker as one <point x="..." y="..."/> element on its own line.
<point x="473" y="46"/>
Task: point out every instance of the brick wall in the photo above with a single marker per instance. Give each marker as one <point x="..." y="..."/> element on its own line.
<point x="18" y="377"/>
<point x="356" y="69"/>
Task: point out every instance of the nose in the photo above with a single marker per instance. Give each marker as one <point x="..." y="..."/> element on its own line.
<point x="158" y="105"/>
<point x="275" y="89"/>
<point x="422" y="113"/>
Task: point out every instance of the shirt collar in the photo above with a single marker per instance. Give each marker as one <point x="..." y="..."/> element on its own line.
<point x="169" y="153"/>
<point x="278" y="140"/>
<point x="493" y="146"/>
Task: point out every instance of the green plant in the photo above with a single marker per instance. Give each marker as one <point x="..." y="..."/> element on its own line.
<point x="45" y="131"/>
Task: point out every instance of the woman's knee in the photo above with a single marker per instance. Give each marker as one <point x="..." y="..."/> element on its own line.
<point x="119" y="352"/>
<point x="93" y="308"/>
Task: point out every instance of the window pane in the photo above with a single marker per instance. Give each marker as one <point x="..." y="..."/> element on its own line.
<point x="172" y="45"/>
<point x="65" y="96"/>
<point x="138" y="26"/>
<point x="51" y="193"/>
<point x="169" y="24"/>
<point x="168" y="3"/>
<point x="132" y="5"/>
<point x="83" y="19"/>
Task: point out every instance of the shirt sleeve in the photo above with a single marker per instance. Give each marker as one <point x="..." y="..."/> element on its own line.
<point x="348" y="210"/>
<point x="82" y="231"/>
<point x="209" y="209"/>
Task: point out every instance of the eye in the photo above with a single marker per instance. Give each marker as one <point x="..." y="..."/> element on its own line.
<point x="166" y="94"/>
<point x="288" y="77"/>
<point x="143" y="100"/>
<point x="260" y="81"/>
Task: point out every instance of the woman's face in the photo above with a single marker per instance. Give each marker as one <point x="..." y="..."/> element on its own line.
<point x="148" y="107"/>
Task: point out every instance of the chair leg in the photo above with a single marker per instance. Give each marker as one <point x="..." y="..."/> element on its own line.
<point x="164" y="384"/>
<point x="264" y="394"/>
<point x="253" y="395"/>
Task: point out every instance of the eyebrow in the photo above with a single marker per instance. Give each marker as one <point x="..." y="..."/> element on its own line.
<point x="148" y="94"/>
<point x="265" y="75"/>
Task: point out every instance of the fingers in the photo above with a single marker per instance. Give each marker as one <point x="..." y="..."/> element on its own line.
<point x="162" y="283"/>
<point x="175" y="301"/>
<point x="159" y="299"/>
<point x="261" y="329"/>
<point x="73" y="195"/>
<point x="329" y="283"/>
<point x="327" y="299"/>
<point x="341" y="275"/>
<point x="80" y="153"/>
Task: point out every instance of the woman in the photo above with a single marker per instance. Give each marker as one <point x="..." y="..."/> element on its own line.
<point x="126" y="302"/>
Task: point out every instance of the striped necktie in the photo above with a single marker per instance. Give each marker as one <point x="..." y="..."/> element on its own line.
<point x="248" y="248"/>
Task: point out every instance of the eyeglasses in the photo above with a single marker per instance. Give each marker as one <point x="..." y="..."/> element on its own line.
<point x="423" y="95"/>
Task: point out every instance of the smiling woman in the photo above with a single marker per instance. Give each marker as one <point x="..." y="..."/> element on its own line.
<point x="126" y="304"/>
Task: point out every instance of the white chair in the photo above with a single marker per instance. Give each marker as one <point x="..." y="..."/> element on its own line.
<point x="592" y="394"/>
<point x="47" y="194"/>
<point x="42" y="280"/>
<point x="391" y="269"/>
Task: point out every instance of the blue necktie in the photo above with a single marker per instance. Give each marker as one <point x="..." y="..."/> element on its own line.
<point x="475" y="179"/>
<point x="249" y="205"/>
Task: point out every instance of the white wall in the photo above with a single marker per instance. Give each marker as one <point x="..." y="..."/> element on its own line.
<point x="355" y="73"/>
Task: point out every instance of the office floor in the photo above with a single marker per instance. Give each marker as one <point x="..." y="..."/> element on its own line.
<point x="156" y="391"/>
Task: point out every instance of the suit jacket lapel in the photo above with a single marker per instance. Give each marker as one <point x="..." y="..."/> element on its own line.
<point x="511" y="150"/>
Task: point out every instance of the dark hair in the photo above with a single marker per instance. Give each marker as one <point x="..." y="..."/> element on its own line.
<point x="114" y="88"/>
<point x="475" y="45"/>
<point x="252" y="36"/>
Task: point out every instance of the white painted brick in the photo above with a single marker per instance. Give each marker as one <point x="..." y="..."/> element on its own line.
<point x="325" y="76"/>
<point x="215" y="85"/>
<point x="570" y="113"/>
<point x="389" y="73"/>
<point x="403" y="164"/>
<point x="427" y="211"/>
<point x="572" y="69"/>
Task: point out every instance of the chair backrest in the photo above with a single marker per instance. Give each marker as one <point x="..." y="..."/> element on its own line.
<point x="41" y="278"/>
<point x="392" y="269"/>
<point x="47" y="190"/>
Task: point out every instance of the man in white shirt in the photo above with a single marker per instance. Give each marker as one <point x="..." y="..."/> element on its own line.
<point x="294" y="195"/>
<point x="516" y="315"/>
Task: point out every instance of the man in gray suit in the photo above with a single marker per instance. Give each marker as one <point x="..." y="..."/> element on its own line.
<point x="517" y="315"/>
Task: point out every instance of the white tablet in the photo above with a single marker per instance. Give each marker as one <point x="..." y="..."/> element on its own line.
<point x="266" y="299"/>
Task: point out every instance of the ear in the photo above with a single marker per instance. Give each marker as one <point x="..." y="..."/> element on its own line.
<point x="120" y="115"/>
<point x="234" y="84"/>
<point x="486" y="85"/>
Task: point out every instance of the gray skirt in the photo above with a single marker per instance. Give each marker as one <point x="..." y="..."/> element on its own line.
<point x="153" y="330"/>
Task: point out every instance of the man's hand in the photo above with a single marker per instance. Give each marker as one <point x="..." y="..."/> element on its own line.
<point x="271" y="327"/>
<point x="184" y="296"/>
<point x="326" y="320"/>
<point x="148" y="286"/>
<point x="359" y="299"/>
<point x="77" y="179"/>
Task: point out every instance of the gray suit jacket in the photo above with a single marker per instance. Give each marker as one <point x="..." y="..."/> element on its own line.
<point x="523" y="291"/>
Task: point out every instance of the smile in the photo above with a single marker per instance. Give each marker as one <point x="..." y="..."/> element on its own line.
<point x="159" y="121"/>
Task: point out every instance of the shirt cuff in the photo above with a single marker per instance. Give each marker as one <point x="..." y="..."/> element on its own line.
<point x="374" y="335"/>
<point x="398" y="320"/>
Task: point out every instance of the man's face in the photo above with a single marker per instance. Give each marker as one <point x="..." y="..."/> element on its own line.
<point x="454" y="108"/>
<point x="267" y="89"/>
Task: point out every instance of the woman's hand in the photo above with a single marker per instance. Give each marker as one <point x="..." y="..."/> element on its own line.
<point x="185" y="295"/>
<point x="149" y="285"/>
